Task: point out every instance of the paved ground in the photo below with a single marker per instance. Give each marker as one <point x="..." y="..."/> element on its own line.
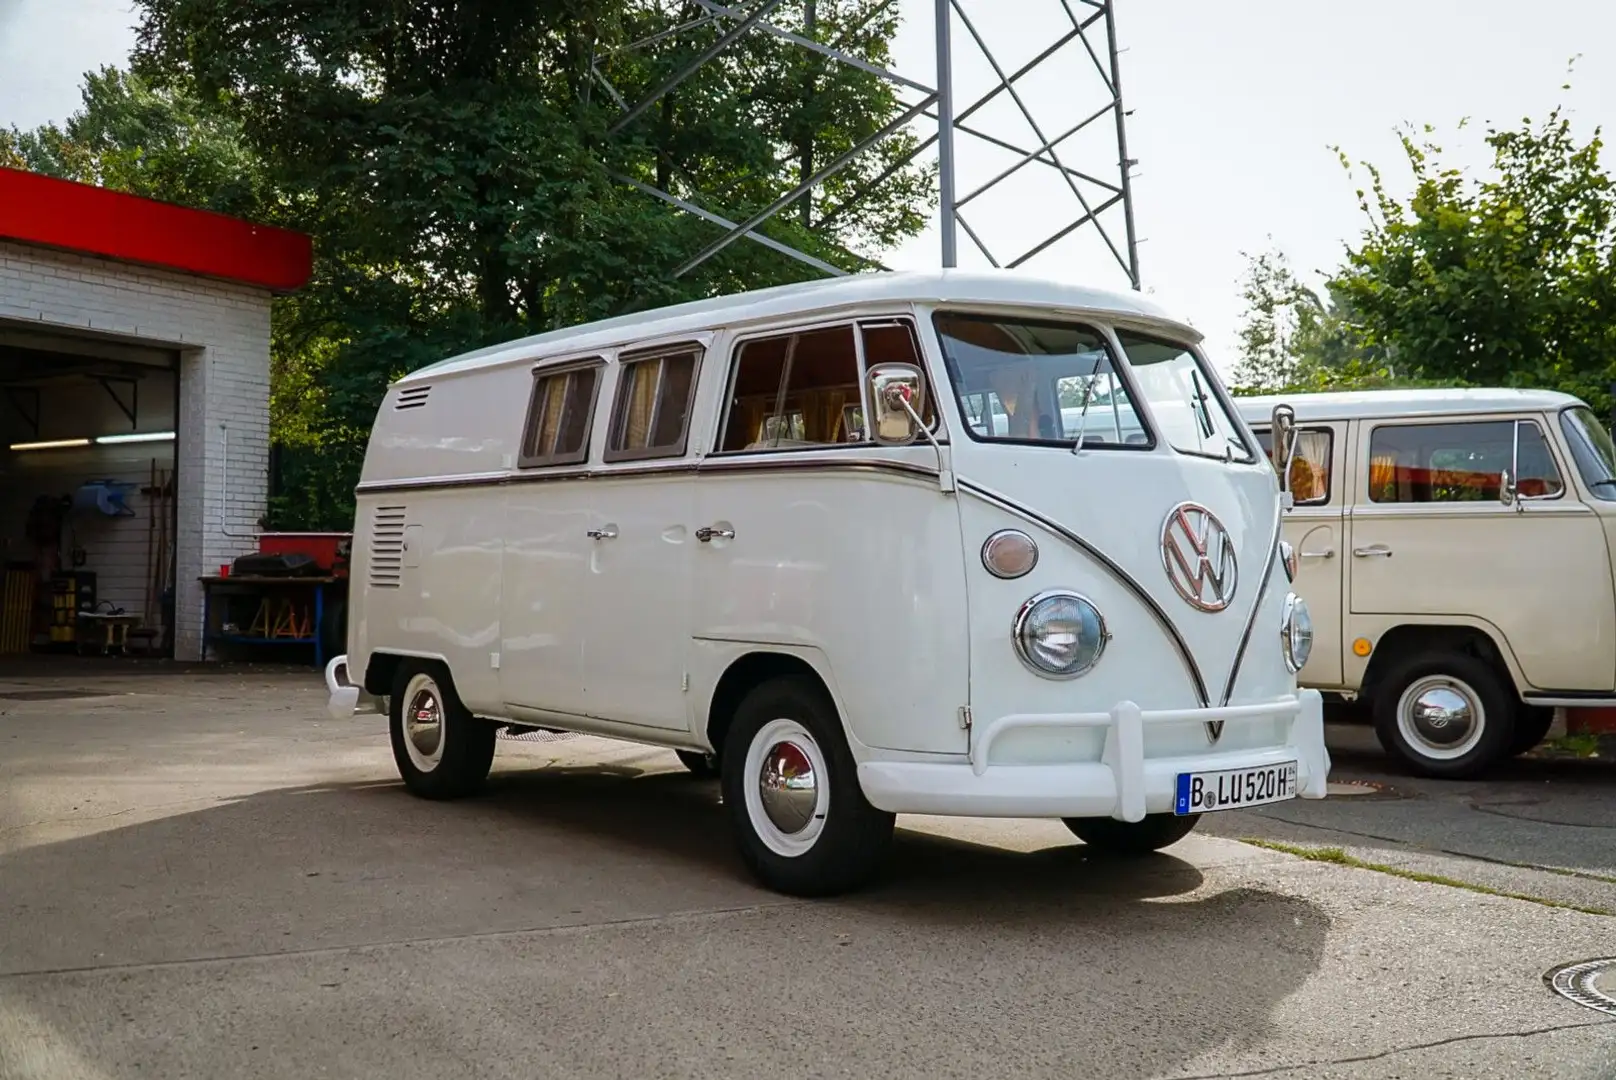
<point x="201" y="876"/>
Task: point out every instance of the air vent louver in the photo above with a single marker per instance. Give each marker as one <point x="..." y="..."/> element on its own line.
<point x="413" y="397"/>
<point x="387" y="547"/>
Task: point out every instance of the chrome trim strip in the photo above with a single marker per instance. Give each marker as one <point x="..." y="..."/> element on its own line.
<point x="1256" y="603"/>
<point x="1595" y="700"/>
<point x="988" y="495"/>
<point x="770" y="463"/>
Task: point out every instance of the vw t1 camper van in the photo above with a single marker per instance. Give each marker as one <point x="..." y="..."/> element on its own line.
<point x="1454" y="547"/>
<point x="945" y="543"/>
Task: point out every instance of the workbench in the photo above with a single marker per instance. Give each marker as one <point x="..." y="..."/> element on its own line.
<point x="277" y="620"/>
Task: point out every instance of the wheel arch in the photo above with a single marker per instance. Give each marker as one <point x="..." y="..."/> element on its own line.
<point x="1406" y="640"/>
<point x="751" y="669"/>
<point x="382" y="667"/>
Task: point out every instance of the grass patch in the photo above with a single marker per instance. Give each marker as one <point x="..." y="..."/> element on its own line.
<point x="1339" y="857"/>
<point x="1583" y="745"/>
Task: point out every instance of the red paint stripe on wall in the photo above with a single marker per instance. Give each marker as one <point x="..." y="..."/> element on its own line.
<point x="39" y="209"/>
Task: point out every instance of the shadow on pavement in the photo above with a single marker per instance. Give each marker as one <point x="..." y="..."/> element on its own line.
<point x="1046" y="962"/>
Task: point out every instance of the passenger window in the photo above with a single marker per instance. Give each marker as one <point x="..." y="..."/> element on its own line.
<point x="651" y="417"/>
<point x="1458" y="462"/>
<point x="794" y="390"/>
<point x="558" y="413"/>
<point x="894" y="343"/>
<point x="1310" y="469"/>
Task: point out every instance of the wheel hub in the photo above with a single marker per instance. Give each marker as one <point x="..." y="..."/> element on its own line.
<point x="788" y="787"/>
<point x="1442" y="716"/>
<point x="423" y="722"/>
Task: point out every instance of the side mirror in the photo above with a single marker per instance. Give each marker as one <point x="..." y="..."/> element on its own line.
<point x="1285" y="437"/>
<point x="1506" y="490"/>
<point x="897" y="398"/>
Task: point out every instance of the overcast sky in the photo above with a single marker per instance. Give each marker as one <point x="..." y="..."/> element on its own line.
<point x="1235" y="105"/>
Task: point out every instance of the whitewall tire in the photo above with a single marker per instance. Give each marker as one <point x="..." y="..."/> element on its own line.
<point x="441" y="750"/>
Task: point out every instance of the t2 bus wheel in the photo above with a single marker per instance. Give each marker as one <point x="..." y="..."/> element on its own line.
<point x="441" y="750"/>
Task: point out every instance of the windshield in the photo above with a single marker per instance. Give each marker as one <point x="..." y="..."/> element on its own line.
<point x="1041" y="382"/>
<point x="1592" y="450"/>
<point x="1183" y="398"/>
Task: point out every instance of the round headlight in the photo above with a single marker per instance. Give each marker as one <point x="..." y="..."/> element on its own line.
<point x="1287" y="555"/>
<point x="1009" y="553"/>
<point x="1296" y="633"/>
<point x="1060" y="635"/>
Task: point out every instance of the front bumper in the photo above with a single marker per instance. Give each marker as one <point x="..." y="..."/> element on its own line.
<point x="1122" y="784"/>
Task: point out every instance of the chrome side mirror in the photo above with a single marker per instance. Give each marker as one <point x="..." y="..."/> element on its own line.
<point x="1283" y="421"/>
<point x="897" y="399"/>
<point x="1506" y="490"/>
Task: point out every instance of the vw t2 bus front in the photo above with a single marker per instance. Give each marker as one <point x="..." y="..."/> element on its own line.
<point x="1134" y="637"/>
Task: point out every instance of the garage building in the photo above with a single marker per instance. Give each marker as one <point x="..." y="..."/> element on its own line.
<point x="134" y="405"/>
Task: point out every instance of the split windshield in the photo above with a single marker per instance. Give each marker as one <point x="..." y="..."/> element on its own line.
<point x="1054" y="382"/>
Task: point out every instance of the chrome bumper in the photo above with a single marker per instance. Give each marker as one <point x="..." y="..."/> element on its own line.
<point x="1122" y="784"/>
<point x="346" y="699"/>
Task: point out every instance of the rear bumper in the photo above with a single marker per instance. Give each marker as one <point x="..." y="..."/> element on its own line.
<point x="345" y="699"/>
<point x="1122" y="784"/>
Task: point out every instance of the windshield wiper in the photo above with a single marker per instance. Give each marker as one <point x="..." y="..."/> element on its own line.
<point x="1203" y="415"/>
<point x="1088" y="396"/>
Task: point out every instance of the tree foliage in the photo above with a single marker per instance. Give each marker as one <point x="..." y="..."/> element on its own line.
<point x="456" y="166"/>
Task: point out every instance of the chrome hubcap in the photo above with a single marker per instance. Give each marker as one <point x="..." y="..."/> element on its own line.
<point x="1441" y="717"/>
<point x="423" y="722"/>
<point x="788" y="787"/>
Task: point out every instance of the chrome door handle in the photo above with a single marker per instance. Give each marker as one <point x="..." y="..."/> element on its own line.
<point x="705" y="533"/>
<point x="1378" y="551"/>
<point x="608" y="532"/>
<point x="1327" y="553"/>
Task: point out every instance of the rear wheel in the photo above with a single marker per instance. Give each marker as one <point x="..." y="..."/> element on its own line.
<point x="442" y="751"/>
<point x="800" y="818"/>
<point x="1532" y="722"/>
<point x="1153" y="833"/>
<point x="699" y="763"/>
<point x="1446" y="715"/>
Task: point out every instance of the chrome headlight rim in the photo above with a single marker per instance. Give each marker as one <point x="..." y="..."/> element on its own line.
<point x="1019" y="634"/>
<point x="1296" y="633"/>
<point x="1287" y="559"/>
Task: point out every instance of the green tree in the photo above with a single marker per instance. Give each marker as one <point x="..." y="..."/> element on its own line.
<point x="1507" y="280"/>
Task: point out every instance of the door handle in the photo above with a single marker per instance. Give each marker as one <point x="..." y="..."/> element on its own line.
<point x="1374" y="551"/>
<point x="605" y="532"/>
<point x="706" y="533"/>
<point x="1327" y="553"/>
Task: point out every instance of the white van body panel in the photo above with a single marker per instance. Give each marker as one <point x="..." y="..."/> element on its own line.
<point x="582" y="597"/>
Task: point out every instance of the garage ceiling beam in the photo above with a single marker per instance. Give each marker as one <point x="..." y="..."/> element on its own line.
<point x="16" y="395"/>
<point x="132" y="409"/>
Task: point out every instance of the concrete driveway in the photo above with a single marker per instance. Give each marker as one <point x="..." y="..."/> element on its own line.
<point x="201" y="876"/>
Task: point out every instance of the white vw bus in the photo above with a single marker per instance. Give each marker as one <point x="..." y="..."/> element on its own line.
<point x="944" y="543"/>
<point x="1455" y="546"/>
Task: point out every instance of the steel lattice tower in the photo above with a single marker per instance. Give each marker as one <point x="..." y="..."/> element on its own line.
<point x="1054" y="122"/>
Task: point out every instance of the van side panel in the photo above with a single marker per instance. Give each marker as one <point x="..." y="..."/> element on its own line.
<point x="858" y="561"/>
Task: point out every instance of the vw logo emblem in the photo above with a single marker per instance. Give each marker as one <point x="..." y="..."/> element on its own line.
<point x="1199" y="557"/>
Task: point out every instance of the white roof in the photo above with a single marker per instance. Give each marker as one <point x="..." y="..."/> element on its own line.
<point x="934" y="287"/>
<point x="1350" y="404"/>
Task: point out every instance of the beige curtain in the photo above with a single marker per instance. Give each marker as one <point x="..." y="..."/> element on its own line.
<point x="555" y="397"/>
<point x="643" y="379"/>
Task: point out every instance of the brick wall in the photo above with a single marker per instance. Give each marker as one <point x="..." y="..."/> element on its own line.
<point x="221" y="331"/>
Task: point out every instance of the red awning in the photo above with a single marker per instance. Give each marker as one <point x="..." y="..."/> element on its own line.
<point x="90" y="220"/>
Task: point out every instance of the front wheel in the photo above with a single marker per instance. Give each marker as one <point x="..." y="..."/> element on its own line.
<point x="442" y="751"/>
<point x="791" y="786"/>
<point x="1153" y="833"/>
<point x="1447" y="715"/>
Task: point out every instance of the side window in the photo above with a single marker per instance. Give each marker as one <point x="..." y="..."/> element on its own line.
<point x="795" y="390"/>
<point x="558" y="413"/>
<point x="895" y="343"/>
<point x="651" y="416"/>
<point x="1310" y="469"/>
<point x="1458" y="462"/>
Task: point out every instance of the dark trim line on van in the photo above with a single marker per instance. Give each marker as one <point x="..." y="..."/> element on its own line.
<point x="1122" y="576"/>
<point x="772" y="463"/>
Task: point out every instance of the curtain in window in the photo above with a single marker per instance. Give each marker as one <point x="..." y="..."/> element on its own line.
<point x="641" y="402"/>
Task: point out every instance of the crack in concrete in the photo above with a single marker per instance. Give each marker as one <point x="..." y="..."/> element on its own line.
<point x="1381" y="1055"/>
<point x="373" y="946"/>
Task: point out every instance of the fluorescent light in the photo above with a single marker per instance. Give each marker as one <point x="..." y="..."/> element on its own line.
<point x="144" y="436"/>
<point x="53" y="444"/>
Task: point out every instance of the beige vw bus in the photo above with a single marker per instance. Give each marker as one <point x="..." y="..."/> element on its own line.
<point x="1454" y="548"/>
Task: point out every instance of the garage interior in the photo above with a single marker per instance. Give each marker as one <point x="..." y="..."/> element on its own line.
<point x="88" y="441"/>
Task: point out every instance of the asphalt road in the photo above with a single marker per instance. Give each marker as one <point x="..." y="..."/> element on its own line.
<point x="204" y="877"/>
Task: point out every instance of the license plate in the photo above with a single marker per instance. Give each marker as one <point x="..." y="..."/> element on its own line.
<point x="1201" y="793"/>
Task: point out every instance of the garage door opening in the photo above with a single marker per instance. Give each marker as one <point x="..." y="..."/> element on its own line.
<point x="89" y="436"/>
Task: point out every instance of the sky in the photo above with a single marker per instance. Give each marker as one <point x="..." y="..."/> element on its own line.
<point x="1235" y="106"/>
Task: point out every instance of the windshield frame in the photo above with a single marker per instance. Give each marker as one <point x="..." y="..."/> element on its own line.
<point x="1108" y="342"/>
<point x="1212" y="385"/>
<point x="1602" y="488"/>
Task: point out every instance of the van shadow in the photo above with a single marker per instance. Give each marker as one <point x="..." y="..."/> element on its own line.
<point x="1121" y="964"/>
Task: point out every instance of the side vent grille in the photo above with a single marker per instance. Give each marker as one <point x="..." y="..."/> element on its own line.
<point x="387" y="547"/>
<point x="413" y="397"/>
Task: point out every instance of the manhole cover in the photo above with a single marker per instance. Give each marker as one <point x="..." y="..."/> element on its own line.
<point x="536" y="736"/>
<point x="1591" y="983"/>
<point x="47" y="695"/>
